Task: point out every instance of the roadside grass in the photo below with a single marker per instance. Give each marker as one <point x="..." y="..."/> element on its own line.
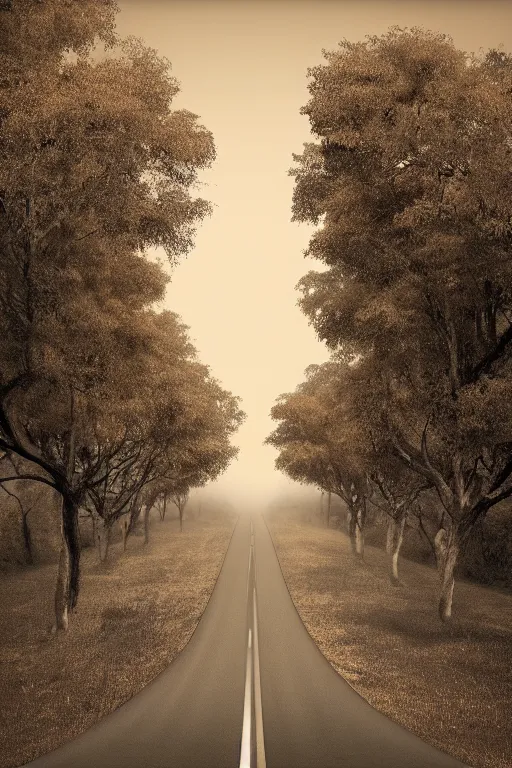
<point x="135" y="613"/>
<point x="451" y="685"/>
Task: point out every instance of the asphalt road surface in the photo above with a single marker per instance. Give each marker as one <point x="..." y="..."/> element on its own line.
<point x="250" y="690"/>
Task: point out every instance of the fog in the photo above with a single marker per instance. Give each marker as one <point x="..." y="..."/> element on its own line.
<point x="242" y="68"/>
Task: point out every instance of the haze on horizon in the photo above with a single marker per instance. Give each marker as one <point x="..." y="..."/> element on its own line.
<point x="242" y="66"/>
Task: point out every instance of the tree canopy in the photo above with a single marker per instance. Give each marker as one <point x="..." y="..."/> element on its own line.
<point x="100" y="392"/>
<point x="408" y="182"/>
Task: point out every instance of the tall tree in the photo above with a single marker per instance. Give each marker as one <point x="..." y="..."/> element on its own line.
<point x="410" y="178"/>
<point x="168" y="433"/>
<point x="321" y="443"/>
<point x="95" y="167"/>
<point x="398" y="490"/>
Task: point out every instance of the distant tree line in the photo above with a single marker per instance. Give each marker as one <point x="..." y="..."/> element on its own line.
<point x="410" y="183"/>
<point x="102" y="396"/>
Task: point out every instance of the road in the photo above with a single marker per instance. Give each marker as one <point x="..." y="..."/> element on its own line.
<point x="250" y="690"/>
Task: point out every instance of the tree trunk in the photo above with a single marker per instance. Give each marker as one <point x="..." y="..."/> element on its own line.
<point x="352" y="526"/>
<point x="134" y="516"/>
<point x="450" y="554"/>
<point x="164" y="510"/>
<point x="125" y="525"/>
<point x="359" y="520"/>
<point x="396" y="543"/>
<point x="147" y="510"/>
<point x="389" y="536"/>
<point x="104" y="541"/>
<point x="67" y="587"/>
<point x="94" y="532"/>
<point x="359" y="538"/>
<point x="328" y="508"/>
<point x="440" y="541"/>
<point x="356" y="522"/>
<point x="27" y="541"/>
<point x="181" y="507"/>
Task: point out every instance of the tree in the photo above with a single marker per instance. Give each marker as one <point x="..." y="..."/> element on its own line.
<point x="180" y="499"/>
<point x="170" y="432"/>
<point x="89" y="178"/>
<point x="320" y="441"/>
<point x="398" y="490"/>
<point x="410" y="180"/>
<point x="162" y="508"/>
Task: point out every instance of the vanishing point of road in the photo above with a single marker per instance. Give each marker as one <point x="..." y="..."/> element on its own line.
<point x="250" y="690"/>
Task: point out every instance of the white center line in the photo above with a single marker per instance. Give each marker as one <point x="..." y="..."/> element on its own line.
<point x="252" y="745"/>
<point x="245" y="754"/>
<point x="258" y="713"/>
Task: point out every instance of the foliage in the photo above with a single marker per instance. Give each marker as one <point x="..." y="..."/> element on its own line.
<point x="98" y="391"/>
<point x="409" y="182"/>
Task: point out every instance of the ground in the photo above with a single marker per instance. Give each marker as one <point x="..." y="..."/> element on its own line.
<point x="135" y="614"/>
<point x="452" y="685"/>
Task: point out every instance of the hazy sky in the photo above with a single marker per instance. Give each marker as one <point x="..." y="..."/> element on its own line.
<point x="242" y="68"/>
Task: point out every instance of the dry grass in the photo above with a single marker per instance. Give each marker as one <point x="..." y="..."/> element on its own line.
<point x="450" y="685"/>
<point x="134" y="615"/>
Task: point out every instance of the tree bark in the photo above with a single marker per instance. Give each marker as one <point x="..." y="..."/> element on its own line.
<point x="451" y="549"/>
<point x="146" y="523"/>
<point x="352" y="528"/>
<point x="67" y="587"/>
<point x="125" y="525"/>
<point x="389" y="536"/>
<point x="396" y="543"/>
<point x="104" y="541"/>
<point x="359" y="535"/>
<point x="27" y="541"/>
<point x="181" y="507"/>
<point x="134" y="516"/>
<point x="94" y="536"/>
<point x="440" y="548"/>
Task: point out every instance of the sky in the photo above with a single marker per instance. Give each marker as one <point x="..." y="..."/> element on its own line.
<point x="242" y="66"/>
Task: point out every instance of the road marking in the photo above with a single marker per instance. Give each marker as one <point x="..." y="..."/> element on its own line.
<point x="252" y="750"/>
<point x="258" y="713"/>
<point x="245" y="753"/>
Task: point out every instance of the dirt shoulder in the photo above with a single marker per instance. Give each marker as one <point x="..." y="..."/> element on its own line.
<point x="135" y="614"/>
<point x="450" y="685"/>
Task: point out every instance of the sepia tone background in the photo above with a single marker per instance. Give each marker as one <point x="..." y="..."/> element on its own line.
<point x="242" y="65"/>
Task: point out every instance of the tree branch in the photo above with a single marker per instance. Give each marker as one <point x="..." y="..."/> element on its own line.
<point x="484" y="367"/>
<point x="36" y="478"/>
